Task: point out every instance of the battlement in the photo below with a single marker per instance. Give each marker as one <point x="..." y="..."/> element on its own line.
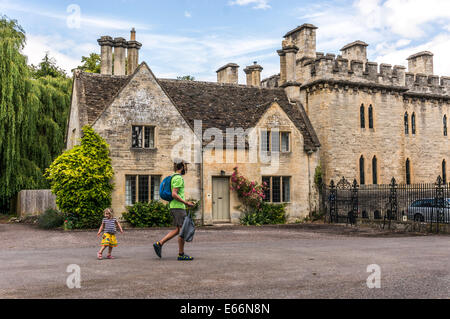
<point x="328" y="66"/>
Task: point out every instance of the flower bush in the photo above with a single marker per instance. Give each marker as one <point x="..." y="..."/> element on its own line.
<point x="251" y="194"/>
<point x="255" y="210"/>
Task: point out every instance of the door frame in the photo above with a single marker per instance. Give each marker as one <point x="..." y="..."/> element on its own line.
<point x="220" y="221"/>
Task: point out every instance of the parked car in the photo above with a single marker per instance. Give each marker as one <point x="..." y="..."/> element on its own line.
<point x="427" y="210"/>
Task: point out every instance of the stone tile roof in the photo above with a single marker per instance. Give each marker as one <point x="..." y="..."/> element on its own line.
<point x="217" y="105"/>
<point x="95" y="92"/>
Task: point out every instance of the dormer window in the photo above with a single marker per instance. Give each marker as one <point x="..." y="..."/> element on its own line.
<point x="143" y="137"/>
<point x="275" y="141"/>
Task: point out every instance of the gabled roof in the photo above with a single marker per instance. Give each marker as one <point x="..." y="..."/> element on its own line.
<point x="217" y="105"/>
<point x="95" y="92"/>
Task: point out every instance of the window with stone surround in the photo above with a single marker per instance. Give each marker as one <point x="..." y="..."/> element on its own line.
<point x="141" y="188"/>
<point x="362" y="116"/>
<point x="444" y="172"/>
<point x="362" y="175"/>
<point x="413" y="123"/>
<point x="371" y="116"/>
<point x="445" y="125"/>
<point x="406" y="123"/>
<point x="143" y="137"/>
<point x="375" y="170"/>
<point x="278" y="189"/>
<point x="275" y="141"/>
<point x="408" y="172"/>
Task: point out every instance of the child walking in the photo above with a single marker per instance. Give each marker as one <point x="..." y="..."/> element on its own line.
<point x="109" y="240"/>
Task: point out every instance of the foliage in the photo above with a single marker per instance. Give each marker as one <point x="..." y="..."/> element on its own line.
<point x="267" y="214"/>
<point x="192" y="211"/>
<point x="91" y="63"/>
<point x="318" y="178"/>
<point x="51" y="219"/>
<point x="80" y="179"/>
<point x="251" y="194"/>
<point x="186" y="78"/>
<point x="33" y="117"/>
<point x="47" y="67"/>
<point x="153" y="214"/>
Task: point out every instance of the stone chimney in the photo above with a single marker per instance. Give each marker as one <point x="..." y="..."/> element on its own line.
<point x="120" y="44"/>
<point x="355" y="51"/>
<point x="228" y="74"/>
<point x="133" y="53"/>
<point x="253" y="73"/>
<point x="304" y="38"/>
<point x="106" y="43"/>
<point x="421" y="62"/>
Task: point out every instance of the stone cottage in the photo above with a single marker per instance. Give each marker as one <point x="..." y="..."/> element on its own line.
<point x="148" y="122"/>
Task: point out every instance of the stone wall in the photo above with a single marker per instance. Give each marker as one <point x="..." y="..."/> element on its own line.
<point x="34" y="202"/>
<point x="143" y="102"/>
<point x="334" y="111"/>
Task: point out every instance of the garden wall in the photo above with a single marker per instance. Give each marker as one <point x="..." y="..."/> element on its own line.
<point x="34" y="202"/>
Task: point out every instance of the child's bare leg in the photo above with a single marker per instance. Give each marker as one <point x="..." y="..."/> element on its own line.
<point x="101" y="250"/>
<point x="109" y="251"/>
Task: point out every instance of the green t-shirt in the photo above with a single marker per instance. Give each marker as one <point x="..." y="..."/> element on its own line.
<point x="177" y="182"/>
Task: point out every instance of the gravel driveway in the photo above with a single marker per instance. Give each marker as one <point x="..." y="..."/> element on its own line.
<point x="298" y="261"/>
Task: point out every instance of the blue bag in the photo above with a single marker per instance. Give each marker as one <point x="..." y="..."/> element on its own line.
<point x="165" y="189"/>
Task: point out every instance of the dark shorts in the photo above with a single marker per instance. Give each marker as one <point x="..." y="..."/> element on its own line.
<point x="178" y="216"/>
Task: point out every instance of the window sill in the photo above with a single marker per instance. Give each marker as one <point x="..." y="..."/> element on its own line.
<point x="143" y="150"/>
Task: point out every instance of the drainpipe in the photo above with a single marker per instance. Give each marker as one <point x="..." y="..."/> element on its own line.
<point x="310" y="152"/>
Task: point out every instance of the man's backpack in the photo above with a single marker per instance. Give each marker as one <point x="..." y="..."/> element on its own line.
<point x="165" y="189"/>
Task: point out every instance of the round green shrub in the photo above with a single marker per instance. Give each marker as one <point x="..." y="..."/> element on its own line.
<point x="50" y="219"/>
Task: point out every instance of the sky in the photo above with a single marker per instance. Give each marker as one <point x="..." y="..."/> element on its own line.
<point x="196" y="37"/>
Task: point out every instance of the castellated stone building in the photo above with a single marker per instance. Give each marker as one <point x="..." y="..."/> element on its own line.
<point x="373" y="122"/>
<point x="343" y="113"/>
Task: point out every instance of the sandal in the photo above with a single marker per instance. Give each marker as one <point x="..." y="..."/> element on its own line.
<point x="110" y="257"/>
<point x="99" y="256"/>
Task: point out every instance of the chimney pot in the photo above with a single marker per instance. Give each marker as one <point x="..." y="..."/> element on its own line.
<point x="106" y="43"/>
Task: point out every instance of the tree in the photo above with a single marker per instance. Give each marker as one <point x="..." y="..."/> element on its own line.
<point x="91" y="63"/>
<point x="33" y="117"/>
<point x="186" y="78"/>
<point x="47" y="67"/>
<point x="81" y="180"/>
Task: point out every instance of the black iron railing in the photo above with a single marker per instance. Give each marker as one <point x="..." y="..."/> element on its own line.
<point x="427" y="203"/>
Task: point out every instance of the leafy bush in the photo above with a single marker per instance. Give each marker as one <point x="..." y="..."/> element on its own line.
<point x="51" y="219"/>
<point x="80" y="179"/>
<point x="153" y="214"/>
<point x="267" y="214"/>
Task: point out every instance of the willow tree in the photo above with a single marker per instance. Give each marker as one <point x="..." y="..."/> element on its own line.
<point x="33" y="116"/>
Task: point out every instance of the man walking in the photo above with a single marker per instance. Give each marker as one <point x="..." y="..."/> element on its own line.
<point x="178" y="210"/>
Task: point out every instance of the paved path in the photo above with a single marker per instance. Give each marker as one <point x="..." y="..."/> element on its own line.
<point x="237" y="262"/>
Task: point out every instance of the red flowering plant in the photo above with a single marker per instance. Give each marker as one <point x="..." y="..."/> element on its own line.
<point x="251" y="194"/>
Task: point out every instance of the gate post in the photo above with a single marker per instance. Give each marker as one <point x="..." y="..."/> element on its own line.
<point x="354" y="199"/>
<point x="332" y="201"/>
<point x="393" y="202"/>
<point x="439" y="201"/>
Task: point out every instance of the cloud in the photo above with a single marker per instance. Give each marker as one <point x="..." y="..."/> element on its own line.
<point x="257" y="4"/>
<point x="86" y="21"/>
<point x="187" y="14"/>
<point x="392" y="28"/>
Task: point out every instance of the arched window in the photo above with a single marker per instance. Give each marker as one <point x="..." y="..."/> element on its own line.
<point x="445" y="125"/>
<point x="362" y="116"/>
<point x="444" y="171"/>
<point x="408" y="172"/>
<point x="362" y="177"/>
<point x="413" y="123"/>
<point x="370" y="116"/>
<point x="406" y="123"/>
<point x="374" y="171"/>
